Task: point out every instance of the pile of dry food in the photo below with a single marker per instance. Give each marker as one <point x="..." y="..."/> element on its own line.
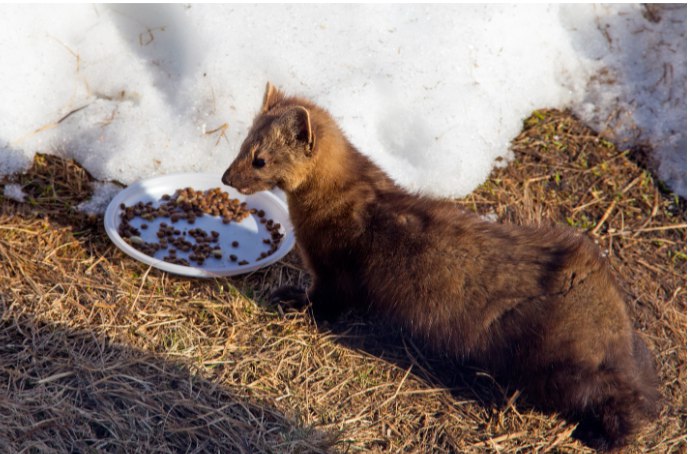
<point x="184" y="246"/>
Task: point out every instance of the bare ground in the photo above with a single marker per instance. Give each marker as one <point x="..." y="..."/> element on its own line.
<point x="101" y="353"/>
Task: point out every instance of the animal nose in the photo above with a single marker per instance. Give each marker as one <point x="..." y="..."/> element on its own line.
<point x="226" y="178"/>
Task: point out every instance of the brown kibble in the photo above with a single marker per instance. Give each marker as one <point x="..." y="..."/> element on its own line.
<point x="185" y="204"/>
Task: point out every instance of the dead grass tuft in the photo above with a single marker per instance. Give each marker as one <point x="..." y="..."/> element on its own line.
<point x="99" y="352"/>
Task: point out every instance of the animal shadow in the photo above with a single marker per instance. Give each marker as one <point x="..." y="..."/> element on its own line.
<point x="70" y="390"/>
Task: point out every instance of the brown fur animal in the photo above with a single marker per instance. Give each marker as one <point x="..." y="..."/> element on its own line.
<point x="536" y="305"/>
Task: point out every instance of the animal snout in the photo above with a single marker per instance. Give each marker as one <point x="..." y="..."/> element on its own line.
<point x="227" y="177"/>
<point x="230" y="178"/>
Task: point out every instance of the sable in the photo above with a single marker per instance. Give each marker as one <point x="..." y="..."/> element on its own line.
<point x="537" y="306"/>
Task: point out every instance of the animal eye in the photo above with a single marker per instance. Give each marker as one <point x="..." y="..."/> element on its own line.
<point x="258" y="163"/>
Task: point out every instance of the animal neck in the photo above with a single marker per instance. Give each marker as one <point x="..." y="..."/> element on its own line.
<point x="340" y="182"/>
<point x="332" y="167"/>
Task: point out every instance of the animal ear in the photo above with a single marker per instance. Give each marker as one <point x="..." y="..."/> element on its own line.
<point x="296" y="124"/>
<point x="272" y="96"/>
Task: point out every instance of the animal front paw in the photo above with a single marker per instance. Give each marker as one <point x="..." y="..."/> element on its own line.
<point x="289" y="298"/>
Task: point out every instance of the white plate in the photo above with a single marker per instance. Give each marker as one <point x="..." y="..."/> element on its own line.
<point x="249" y="233"/>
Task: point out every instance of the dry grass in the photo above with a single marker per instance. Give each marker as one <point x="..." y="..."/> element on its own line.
<point x="101" y="353"/>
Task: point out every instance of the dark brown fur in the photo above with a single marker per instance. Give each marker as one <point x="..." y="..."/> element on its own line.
<point x="538" y="305"/>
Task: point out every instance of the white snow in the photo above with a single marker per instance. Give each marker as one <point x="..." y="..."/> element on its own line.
<point x="434" y="94"/>
<point x="490" y="217"/>
<point x="639" y="96"/>
<point x="14" y="192"/>
<point x="103" y="193"/>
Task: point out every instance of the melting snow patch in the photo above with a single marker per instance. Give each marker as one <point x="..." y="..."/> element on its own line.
<point x="14" y="192"/>
<point x="103" y="193"/>
<point x="490" y="217"/>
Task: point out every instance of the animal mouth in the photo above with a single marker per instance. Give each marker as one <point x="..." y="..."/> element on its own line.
<point x="243" y="189"/>
<point x="253" y="188"/>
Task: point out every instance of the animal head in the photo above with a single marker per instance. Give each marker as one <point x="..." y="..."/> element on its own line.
<point x="278" y="149"/>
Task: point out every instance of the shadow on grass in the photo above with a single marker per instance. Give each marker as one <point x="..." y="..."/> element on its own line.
<point x="70" y="391"/>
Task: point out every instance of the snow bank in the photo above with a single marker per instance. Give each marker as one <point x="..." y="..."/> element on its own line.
<point x="434" y="94"/>
<point x="638" y="96"/>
